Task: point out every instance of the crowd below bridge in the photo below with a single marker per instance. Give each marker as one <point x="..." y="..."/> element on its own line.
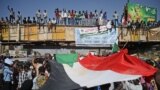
<point x="33" y="74"/>
<point x="24" y="75"/>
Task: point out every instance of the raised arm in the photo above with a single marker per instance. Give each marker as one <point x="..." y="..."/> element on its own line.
<point x="9" y="8"/>
<point x="34" y="65"/>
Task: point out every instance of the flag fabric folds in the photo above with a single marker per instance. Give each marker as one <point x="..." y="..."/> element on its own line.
<point x="67" y="58"/>
<point x="92" y="71"/>
<point x="58" y="79"/>
<point x="119" y="62"/>
<point x="90" y="78"/>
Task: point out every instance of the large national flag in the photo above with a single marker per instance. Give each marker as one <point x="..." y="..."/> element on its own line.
<point x="93" y="71"/>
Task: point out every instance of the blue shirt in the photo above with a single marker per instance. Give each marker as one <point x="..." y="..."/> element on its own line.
<point x="7" y="73"/>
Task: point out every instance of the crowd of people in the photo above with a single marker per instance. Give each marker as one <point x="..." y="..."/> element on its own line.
<point x="62" y="17"/>
<point x="74" y="17"/>
<point x="24" y="75"/>
<point x="133" y="25"/>
<point x="32" y="75"/>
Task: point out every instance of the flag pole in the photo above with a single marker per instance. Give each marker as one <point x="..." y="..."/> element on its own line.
<point x="125" y="45"/>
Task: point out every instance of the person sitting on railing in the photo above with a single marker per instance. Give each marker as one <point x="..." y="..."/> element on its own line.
<point x="41" y="23"/>
<point x="7" y="20"/>
<point x="34" y="20"/>
<point x="2" y="21"/>
<point x="51" y="23"/>
<point x="24" y="20"/>
<point x="29" y="20"/>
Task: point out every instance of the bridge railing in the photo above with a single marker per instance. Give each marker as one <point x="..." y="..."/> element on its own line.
<point x="67" y="33"/>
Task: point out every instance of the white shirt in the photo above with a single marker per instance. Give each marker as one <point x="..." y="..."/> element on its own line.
<point x="82" y="16"/>
<point x="65" y="14"/>
<point x="53" y="21"/>
<point x="29" y="74"/>
<point x="44" y="14"/>
<point x="115" y="16"/>
<point x="35" y="86"/>
<point x="38" y="14"/>
<point x="95" y="15"/>
<point x="62" y="14"/>
<point x="109" y="26"/>
<point x="69" y="16"/>
<point x="101" y="15"/>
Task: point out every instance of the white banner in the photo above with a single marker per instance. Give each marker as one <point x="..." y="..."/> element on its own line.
<point x="94" y="37"/>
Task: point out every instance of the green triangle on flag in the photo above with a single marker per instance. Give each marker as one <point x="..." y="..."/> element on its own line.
<point x="115" y="48"/>
<point x="69" y="59"/>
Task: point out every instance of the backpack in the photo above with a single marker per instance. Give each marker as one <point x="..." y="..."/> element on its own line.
<point x="41" y="79"/>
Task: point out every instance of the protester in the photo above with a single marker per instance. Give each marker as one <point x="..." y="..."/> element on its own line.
<point x="12" y="15"/>
<point x="51" y="23"/>
<point x="38" y="16"/>
<point x="29" y="20"/>
<point x="65" y="17"/>
<point x="15" y="75"/>
<point x="19" y="18"/>
<point x="41" y="78"/>
<point x="115" y="16"/>
<point x="7" y="74"/>
<point x="34" y="20"/>
<point x="45" y="16"/>
<point x="24" y="20"/>
<point x="98" y="24"/>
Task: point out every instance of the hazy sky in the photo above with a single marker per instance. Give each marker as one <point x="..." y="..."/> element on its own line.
<point x="29" y="7"/>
